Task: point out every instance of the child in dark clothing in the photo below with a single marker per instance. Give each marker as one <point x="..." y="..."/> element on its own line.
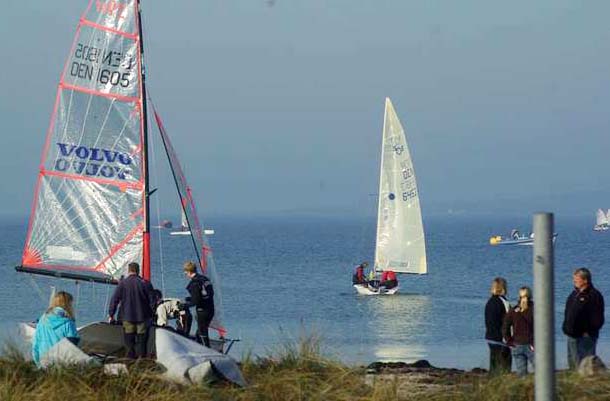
<point x="521" y="339"/>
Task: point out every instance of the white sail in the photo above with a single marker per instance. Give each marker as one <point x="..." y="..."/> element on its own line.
<point x="601" y="217"/>
<point x="400" y="243"/>
<point x="184" y="224"/>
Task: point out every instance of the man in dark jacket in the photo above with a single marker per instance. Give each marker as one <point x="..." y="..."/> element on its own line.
<point x="583" y="318"/>
<point x="135" y="299"/>
<point x="202" y="298"/>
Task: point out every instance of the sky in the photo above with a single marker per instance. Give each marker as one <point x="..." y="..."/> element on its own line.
<point x="276" y="106"/>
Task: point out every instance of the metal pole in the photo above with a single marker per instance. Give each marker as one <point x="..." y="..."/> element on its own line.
<point x="544" y="322"/>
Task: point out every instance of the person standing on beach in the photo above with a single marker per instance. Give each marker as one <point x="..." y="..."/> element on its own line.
<point x="136" y="299"/>
<point x="583" y="317"/>
<point x="496" y="308"/>
<point x="518" y="331"/>
<point x="202" y="297"/>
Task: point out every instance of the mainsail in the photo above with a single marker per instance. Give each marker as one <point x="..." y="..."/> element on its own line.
<point x="88" y="213"/>
<point x="601" y="217"/>
<point x="202" y="249"/>
<point x="400" y="243"/>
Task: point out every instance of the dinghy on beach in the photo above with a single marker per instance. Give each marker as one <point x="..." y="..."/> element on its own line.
<point x="400" y="244"/>
<point x="90" y="215"/>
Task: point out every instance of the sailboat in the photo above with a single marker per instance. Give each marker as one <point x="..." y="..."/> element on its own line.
<point x="400" y="242"/>
<point x="90" y="215"/>
<point x="185" y="229"/>
<point x="601" y="221"/>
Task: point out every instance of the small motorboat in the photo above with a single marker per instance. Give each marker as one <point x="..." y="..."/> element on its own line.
<point x="515" y="238"/>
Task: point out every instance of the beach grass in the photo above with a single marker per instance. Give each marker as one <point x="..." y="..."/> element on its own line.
<point x="294" y="371"/>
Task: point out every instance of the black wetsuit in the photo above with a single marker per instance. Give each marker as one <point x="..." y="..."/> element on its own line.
<point x="202" y="297"/>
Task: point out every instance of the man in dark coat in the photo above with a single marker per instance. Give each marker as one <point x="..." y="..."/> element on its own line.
<point x="135" y="299"/>
<point x="201" y="297"/>
<point x="583" y="317"/>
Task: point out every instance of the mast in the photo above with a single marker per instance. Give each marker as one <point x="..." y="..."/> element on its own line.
<point x="146" y="234"/>
<point x="385" y="115"/>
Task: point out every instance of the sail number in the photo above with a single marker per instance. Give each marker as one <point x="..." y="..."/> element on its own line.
<point x="409" y="194"/>
<point x="103" y="64"/>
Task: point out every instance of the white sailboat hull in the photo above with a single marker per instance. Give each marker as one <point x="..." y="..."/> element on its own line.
<point x="362" y="290"/>
<point x="206" y="232"/>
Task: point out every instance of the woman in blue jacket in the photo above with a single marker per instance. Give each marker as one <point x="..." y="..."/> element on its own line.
<point x="54" y="325"/>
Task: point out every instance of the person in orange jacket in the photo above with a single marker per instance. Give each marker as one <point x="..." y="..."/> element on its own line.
<point x="359" y="277"/>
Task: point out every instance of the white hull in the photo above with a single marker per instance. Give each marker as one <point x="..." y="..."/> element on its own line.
<point x="362" y="290"/>
<point x="206" y="232"/>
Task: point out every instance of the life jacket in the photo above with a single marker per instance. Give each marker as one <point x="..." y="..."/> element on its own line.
<point x="388" y="275"/>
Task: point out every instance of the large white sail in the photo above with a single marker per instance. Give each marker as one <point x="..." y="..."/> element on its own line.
<point x="601" y="218"/>
<point x="400" y="243"/>
<point x="88" y="212"/>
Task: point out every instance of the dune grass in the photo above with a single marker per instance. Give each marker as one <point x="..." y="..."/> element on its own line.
<point x="295" y="371"/>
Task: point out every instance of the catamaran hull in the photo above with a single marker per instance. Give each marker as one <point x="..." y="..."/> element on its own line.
<point x="362" y="290"/>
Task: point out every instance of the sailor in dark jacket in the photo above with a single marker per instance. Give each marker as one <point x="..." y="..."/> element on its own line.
<point x="202" y="298"/>
<point x="135" y="299"/>
<point x="496" y="308"/>
<point x="583" y="318"/>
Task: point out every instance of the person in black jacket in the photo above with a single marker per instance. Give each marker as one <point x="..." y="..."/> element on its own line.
<point x="583" y="317"/>
<point x="135" y="299"/>
<point x="496" y="308"/>
<point x="202" y="298"/>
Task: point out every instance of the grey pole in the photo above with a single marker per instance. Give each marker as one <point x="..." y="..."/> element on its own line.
<point x="544" y="322"/>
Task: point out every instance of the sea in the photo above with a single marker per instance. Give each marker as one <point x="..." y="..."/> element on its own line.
<point x="285" y="278"/>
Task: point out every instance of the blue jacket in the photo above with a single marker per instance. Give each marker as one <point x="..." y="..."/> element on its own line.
<point x="51" y="328"/>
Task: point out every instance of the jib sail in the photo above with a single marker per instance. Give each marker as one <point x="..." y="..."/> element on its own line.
<point x="202" y="249"/>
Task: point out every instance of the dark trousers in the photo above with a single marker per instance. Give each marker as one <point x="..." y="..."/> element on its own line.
<point x="204" y="318"/>
<point x="578" y="348"/>
<point x="135" y="336"/>
<point x="500" y="359"/>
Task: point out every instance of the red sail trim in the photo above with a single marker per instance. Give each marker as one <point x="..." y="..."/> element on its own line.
<point x="221" y="330"/>
<point x="121" y="184"/>
<point x="31" y="257"/>
<point x="127" y="99"/>
<point x="137" y="229"/>
<point x="128" y="35"/>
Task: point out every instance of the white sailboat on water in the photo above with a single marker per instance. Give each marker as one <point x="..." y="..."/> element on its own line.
<point x="602" y="220"/>
<point x="185" y="229"/>
<point x="400" y="242"/>
<point x="90" y="215"/>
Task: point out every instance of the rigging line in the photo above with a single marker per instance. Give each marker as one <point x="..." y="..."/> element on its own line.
<point x="156" y="178"/>
<point x="107" y="301"/>
<point x="77" y="301"/>
<point x="37" y="288"/>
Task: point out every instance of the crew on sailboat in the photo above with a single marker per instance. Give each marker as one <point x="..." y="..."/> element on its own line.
<point x="202" y="298"/>
<point x="135" y="299"/>
<point x="54" y="325"/>
<point x="172" y="308"/>
<point x="359" y="277"/>
<point x="388" y="279"/>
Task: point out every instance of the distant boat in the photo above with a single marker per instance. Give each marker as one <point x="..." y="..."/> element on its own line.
<point x="602" y="221"/>
<point x="400" y="243"/>
<point x="184" y="227"/>
<point x="515" y="238"/>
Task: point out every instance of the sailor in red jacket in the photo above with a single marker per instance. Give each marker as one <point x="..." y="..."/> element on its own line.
<point x="388" y="279"/>
<point x="358" y="277"/>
